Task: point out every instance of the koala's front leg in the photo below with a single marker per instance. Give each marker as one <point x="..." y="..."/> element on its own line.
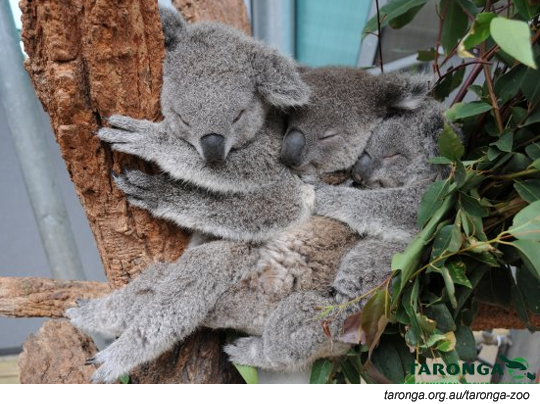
<point x="293" y="337"/>
<point x="363" y="268"/>
<point x="110" y="315"/>
<point x="181" y="303"/>
<point x="254" y="216"/>
<point x="386" y="213"/>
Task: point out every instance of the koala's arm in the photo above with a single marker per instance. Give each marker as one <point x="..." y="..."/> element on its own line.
<point x="387" y="213"/>
<point x="245" y="169"/>
<point x="253" y="216"/>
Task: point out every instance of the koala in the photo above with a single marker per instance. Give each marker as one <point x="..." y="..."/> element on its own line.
<point x="268" y="290"/>
<point x="223" y="99"/>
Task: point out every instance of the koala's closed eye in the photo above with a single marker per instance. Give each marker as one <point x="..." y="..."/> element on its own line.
<point x="239" y="116"/>
<point x="329" y="134"/>
<point x="392" y="155"/>
<point x="183" y="120"/>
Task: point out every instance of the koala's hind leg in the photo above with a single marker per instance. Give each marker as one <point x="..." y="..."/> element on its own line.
<point x="110" y="315"/>
<point x="364" y="267"/>
<point x="293" y="337"/>
<point x="180" y="305"/>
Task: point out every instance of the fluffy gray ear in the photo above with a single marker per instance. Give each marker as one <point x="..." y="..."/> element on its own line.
<point x="278" y="80"/>
<point x="407" y="91"/>
<point x="173" y="25"/>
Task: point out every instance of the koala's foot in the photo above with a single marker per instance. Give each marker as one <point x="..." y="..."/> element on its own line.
<point x="249" y="351"/>
<point x="111" y="366"/>
<point x="96" y="315"/>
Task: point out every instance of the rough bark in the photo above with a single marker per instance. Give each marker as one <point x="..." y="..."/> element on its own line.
<point x="40" y="297"/>
<point x="87" y="60"/>
<point x="55" y="355"/>
<point x="204" y="10"/>
<point x="491" y="316"/>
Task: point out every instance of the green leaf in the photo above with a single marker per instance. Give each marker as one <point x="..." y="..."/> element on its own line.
<point x="465" y="344"/>
<point x="531" y="84"/>
<point x="514" y="38"/>
<point x="494" y="287"/>
<point x="455" y="24"/>
<point x="534" y="118"/>
<point x="449" y="343"/>
<point x="528" y="190"/>
<point x="392" y="358"/>
<point x="124" y="379"/>
<point x="431" y="201"/>
<point x="351" y="372"/>
<point x="457" y="272"/>
<point x="449" y="284"/>
<point x="460" y="174"/>
<point x="426" y="55"/>
<point x="248" y="373"/>
<point x="405" y="18"/>
<point x="526" y="224"/>
<point x="448" y="84"/>
<point x="508" y="85"/>
<point x="462" y="110"/>
<point x="449" y="144"/>
<point x="505" y="142"/>
<point x="478" y="33"/>
<point x="529" y="285"/>
<point x="528" y="9"/>
<point x="472" y="206"/>
<point x="530" y="253"/>
<point x="533" y="151"/>
<point x="536" y="164"/>
<point x="390" y="12"/>
<point x="321" y="371"/>
<point x="448" y="240"/>
<point x="443" y="318"/>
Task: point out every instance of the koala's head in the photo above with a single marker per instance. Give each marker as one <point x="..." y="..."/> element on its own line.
<point x="219" y="84"/>
<point x="398" y="150"/>
<point x="346" y="104"/>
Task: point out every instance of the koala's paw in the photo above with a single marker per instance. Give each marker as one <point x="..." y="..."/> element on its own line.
<point x="93" y="315"/>
<point x="142" y="190"/>
<point x="130" y="135"/>
<point x="247" y="351"/>
<point x="110" y="369"/>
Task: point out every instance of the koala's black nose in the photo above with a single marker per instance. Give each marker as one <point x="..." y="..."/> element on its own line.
<point x="213" y="147"/>
<point x="362" y="168"/>
<point x="292" y="148"/>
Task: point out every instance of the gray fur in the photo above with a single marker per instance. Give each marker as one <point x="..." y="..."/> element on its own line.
<point x="269" y="290"/>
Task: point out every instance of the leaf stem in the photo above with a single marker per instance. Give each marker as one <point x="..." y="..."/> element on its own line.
<point x="493" y="98"/>
<point x="515" y="175"/>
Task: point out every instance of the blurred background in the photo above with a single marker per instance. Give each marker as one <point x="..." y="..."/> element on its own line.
<point x="315" y="32"/>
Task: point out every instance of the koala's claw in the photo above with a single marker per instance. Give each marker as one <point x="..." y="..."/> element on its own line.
<point x="90" y="361"/>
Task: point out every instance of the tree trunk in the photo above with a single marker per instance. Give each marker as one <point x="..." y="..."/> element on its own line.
<point x="89" y="59"/>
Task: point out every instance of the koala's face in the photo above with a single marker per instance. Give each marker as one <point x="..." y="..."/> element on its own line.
<point x="214" y="109"/>
<point x="331" y="131"/>
<point x="218" y="86"/>
<point x="397" y="152"/>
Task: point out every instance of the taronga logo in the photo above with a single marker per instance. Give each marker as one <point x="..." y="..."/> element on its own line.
<point x="517" y="369"/>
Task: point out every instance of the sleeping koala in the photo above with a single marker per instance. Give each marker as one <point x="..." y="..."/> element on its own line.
<point x="269" y="290"/>
<point x="219" y="142"/>
<point x="393" y="171"/>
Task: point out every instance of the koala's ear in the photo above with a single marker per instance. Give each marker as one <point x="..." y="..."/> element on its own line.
<point x="278" y="80"/>
<point x="173" y="25"/>
<point x="407" y="91"/>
